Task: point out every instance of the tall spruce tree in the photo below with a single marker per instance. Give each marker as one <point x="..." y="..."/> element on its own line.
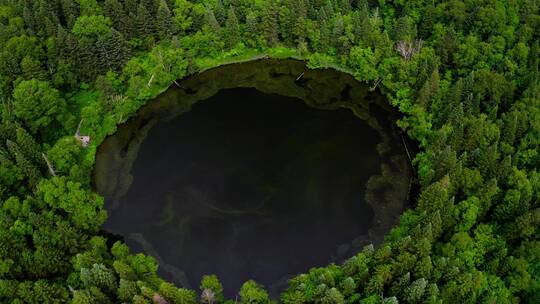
<point x="113" y="52"/>
<point x="220" y="12"/>
<point x="70" y="11"/>
<point x="121" y="21"/>
<point x="287" y="21"/>
<point x="232" y="29"/>
<point x="252" y="29"/>
<point x="211" y="21"/>
<point x="165" y="25"/>
<point x="299" y="29"/>
<point x="28" y="145"/>
<point x="269" y="22"/>
<point x="30" y="170"/>
<point x="144" y="21"/>
<point x="151" y="6"/>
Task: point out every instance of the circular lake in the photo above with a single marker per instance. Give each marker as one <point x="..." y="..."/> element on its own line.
<point x="258" y="170"/>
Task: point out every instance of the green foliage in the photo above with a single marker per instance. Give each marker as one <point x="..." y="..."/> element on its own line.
<point x="463" y="73"/>
<point x="65" y="157"/>
<point x="253" y="293"/>
<point x="212" y="283"/>
<point x="91" y="27"/>
<point x="100" y="276"/>
<point x="84" y="208"/>
<point x="177" y="295"/>
<point x="37" y="104"/>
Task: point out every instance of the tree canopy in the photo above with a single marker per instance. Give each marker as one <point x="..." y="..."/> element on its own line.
<point x="464" y="73"/>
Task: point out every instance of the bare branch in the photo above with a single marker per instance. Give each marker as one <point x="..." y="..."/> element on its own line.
<point x="176" y="83"/>
<point x="150" y="81"/>
<point x="49" y="165"/>
<point x="408" y="49"/>
<point x="84" y="140"/>
<point x="376" y="84"/>
<point x="79" y="128"/>
<point x="208" y="296"/>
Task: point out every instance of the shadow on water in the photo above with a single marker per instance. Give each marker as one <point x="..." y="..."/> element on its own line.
<point x="268" y="175"/>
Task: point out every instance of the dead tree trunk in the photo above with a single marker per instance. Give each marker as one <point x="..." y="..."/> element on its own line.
<point x="49" y="165"/>
<point x="83" y="139"/>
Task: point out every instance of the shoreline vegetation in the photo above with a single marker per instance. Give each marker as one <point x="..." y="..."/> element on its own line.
<point x="464" y="75"/>
<point x="386" y="192"/>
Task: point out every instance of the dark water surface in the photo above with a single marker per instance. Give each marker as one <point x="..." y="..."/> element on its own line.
<point x="248" y="185"/>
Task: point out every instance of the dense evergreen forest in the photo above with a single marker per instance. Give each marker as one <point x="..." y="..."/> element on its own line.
<point x="463" y="72"/>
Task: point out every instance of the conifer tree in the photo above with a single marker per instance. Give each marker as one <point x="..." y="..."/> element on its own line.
<point x="232" y="29"/>
<point x="70" y="11"/>
<point x="113" y="52"/>
<point x="131" y="7"/>
<point x="165" y="25"/>
<point x="287" y="21"/>
<point x="337" y="31"/>
<point x="28" y="18"/>
<point x="345" y="6"/>
<point x="29" y="169"/>
<point x="269" y="22"/>
<point x="89" y="7"/>
<point x="28" y="146"/>
<point x="122" y="22"/>
<point x="211" y="21"/>
<point x="329" y="8"/>
<point x="251" y="29"/>
<point x="45" y="17"/>
<point x="326" y="35"/>
<point x="66" y="44"/>
<point x="5" y="158"/>
<point x="151" y="6"/>
<point x="299" y="29"/>
<point x="403" y="29"/>
<point x="220" y="12"/>
<point x="144" y="21"/>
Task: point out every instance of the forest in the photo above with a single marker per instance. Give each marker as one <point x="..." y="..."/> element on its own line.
<point x="464" y="73"/>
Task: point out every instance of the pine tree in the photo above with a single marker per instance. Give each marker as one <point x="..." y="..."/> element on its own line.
<point x="299" y="29"/>
<point x="287" y="21"/>
<point x="28" y="146"/>
<point x="269" y="23"/>
<point x="50" y="27"/>
<point x="329" y="8"/>
<point x="144" y="21"/>
<point x="29" y="169"/>
<point x="131" y="7"/>
<point x="66" y="43"/>
<point x="232" y="29"/>
<point x="345" y="6"/>
<point x="326" y="36"/>
<point x="165" y="25"/>
<point x="45" y="17"/>
<point x="428" y="20"/>
<point x="28" y="17"/>
<point x="211" y="21"/>
<point x="5" y="158"/>
<point x="337" y="30"/>
<point x="113" y="52"/>
<point x="403" y="29"/>
<point x="121" y="21"/>
<point x="252" y="29"/>
<point x="220" y="12"/>
<point x="151" y="6"/>
<point x="70" y="11"/>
